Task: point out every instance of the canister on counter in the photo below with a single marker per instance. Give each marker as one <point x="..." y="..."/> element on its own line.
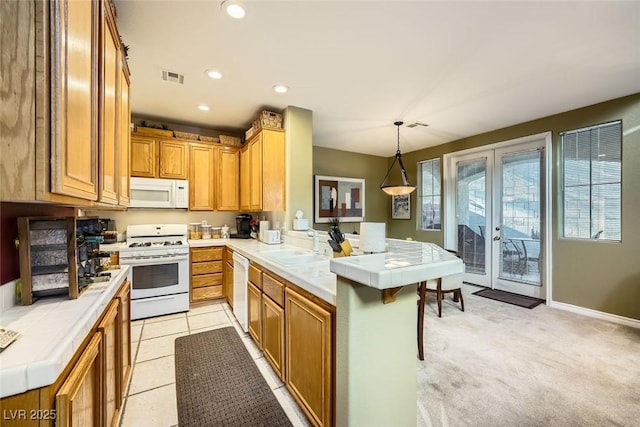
<point x="206" y="231"/>
<point x="195" y="231"/>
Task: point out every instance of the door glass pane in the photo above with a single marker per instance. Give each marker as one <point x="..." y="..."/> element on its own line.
<point x="520" y="220"/>
<point x="471" y="213"/>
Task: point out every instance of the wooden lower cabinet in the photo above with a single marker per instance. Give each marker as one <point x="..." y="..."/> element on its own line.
<point x="124" y="319"/>
<point x="111" y="396"/>
<point x="206" y="273"/>
<point x="78" y="400"/>
<point x="273" y="334"/>
<point x="308" y="355"/>
<point x="228" y="281"/>
<point x="254" y="313"/>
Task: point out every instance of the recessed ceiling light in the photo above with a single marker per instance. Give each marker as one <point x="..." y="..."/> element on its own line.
<point x="234" y="8"/>
<point x="214" y="74"/>
<point x="280" y="88"/>
<point x="203" y="107"/>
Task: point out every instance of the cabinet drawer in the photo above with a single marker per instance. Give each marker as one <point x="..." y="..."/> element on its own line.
<point x="207" y="292"/>
<point x="206" y="254"/>
<point x="206" y="267"/>
<point x="255" y="276"/>
<point x="273" y="288"/>
<point x="206" y="280"/>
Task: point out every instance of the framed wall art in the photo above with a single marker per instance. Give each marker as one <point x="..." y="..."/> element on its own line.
<point x="401" y="207"/>
<point x="337" y="197"/>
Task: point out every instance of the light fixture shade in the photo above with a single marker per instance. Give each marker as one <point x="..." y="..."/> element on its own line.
<point x="397" y="189"/>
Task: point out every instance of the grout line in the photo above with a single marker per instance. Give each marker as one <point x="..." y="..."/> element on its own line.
<point x="151" y="389"/>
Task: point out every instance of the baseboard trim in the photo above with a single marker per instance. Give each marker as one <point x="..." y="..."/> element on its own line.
<point x="627" y="321"/>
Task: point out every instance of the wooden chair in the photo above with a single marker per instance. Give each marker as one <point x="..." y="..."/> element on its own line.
<point x="437" y="287"/>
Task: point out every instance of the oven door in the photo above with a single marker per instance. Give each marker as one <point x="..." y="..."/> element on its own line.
<point x="156" y="277"/>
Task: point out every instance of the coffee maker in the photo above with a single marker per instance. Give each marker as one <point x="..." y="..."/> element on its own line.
<point x="243" y="227"/>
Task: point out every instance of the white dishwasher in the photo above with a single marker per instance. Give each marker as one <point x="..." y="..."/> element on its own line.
<point x="240" y="279"/>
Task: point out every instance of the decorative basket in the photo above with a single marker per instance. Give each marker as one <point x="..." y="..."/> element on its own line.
<point x="230" y="140"/>
<point x="249" y="133"/>
<point x="186" y="135"/>
<point x="209" y="139"/>
<point x="156" y="132"/>
<point x="268" y="119"/>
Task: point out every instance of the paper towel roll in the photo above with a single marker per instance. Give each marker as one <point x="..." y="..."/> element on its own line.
<point x="372" y="236"/>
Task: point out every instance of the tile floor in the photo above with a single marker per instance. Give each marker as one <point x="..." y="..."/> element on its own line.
<point x="151" y="398"/>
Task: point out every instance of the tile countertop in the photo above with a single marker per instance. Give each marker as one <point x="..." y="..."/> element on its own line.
<point x="313" y="277"/>
<point x="405" y="263"/>
<point x="51" y="330"/>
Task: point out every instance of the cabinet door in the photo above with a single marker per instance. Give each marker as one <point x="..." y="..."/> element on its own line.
<point x="308" y="356"/>
<point x="173" y="159"/>
<point x="124" y="339"/>
<point x="228" y="281"/>
<point x="245" y="179"/>
<point x="74" y="99"/>
<point x="78" y="400"/>
<point x="144" y="157"/>
<point x="124" y="191"/>
<point x="273" y="334"/>
<point x="109" y="140"/>
<point x="111" y="395"/>
<point x="255" y="186"/>
<point x="201" y="174"/>
<point x="273" y="170"/>
<point x="228" y="179"/>
<point x="254" y="308"/>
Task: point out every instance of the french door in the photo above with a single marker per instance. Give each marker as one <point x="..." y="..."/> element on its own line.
<point x="499" y="227"/>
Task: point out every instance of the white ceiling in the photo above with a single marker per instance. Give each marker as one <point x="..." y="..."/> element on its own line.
<point x="462" y="67"/>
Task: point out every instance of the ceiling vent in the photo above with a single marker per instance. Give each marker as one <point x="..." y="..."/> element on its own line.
<point x="412" y="125"/>
<point x="170" y="76"/>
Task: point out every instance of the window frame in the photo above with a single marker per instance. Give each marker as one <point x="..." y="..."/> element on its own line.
<point x="420" y="196"/>
<point x="562" y="184"/>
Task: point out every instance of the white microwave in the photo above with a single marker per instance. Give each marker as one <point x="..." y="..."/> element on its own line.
<point x="159" y="193"/>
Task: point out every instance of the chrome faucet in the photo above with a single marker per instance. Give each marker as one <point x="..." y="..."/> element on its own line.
<point x="316" y="241"/>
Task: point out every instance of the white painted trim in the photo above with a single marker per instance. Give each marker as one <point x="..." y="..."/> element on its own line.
<point x="548" y="229"/>
<point x="627" y="321"/>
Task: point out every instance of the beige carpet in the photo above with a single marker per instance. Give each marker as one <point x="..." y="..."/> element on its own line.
<point x="497" y="364"/>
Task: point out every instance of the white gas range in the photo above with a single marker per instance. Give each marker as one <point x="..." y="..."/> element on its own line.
<point x="158" y="256"/>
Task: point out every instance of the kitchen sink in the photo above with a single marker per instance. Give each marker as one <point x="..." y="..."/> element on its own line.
<point x="291" y="257"/>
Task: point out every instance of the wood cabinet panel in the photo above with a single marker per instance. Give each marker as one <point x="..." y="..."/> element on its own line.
<point x="111" y="395"/>
<point x="206" y="254"/>
<point x="78" y="400"/>
<point x="74" y="99"/>
<point x="144" y="157"/>
<point x="255" y="276"/>
<point x="255" y="184"/>
<point x="245" y="178"/>
<point x="109" y="137"/>
<point x="308" y="329"/>
<point x="228" y="198"/>
<point x="228" y="282"/>
<point x="273" y="334"/>
<point x="206" y="267"/>
<point x="201" y="177"/>
<point x="254" y="313"/>
<point x="124" y="313"/>
<point x="206" y="280"/>
<point x="124" y="190"/>
<point x="173" y="159"/>
<point x="273" y="170"/>
<point x="209" y="292"/>
<point x="273" y="288"/>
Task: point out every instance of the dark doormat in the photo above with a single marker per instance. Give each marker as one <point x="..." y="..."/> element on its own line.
<point x="218" y="384"/>
<point x="509" y="298"/>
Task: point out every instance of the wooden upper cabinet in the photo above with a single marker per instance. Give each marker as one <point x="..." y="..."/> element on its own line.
<point x="201" y="177"/>
<point x="255" y="184"/>
<point x="109" y="141"/>
<point x="174" y="158"/>
<point x="74" y="99"/>
<point x="245" y="178"/>
<point x="228" y="194"/>
<point x="124" y="190"/>
<point x="144" y="157"/>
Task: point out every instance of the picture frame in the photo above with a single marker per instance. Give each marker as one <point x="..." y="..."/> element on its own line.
<point x="338" y="197"/>
<point x="401" y="207"/>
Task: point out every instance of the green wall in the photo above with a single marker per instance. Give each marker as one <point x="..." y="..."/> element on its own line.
<point x="327" y="161"/>
<point x="299" y="138"/>
<point x="596" y="275"/>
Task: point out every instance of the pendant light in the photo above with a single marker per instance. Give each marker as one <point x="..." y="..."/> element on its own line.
<point x="406" y="187"/>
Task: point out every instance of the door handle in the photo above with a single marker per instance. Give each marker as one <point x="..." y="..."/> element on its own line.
<point x="496" y="238"/>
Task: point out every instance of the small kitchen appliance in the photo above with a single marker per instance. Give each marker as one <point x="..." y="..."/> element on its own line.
<point x="159" y="193"/>
<point x="243" y="227"/>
